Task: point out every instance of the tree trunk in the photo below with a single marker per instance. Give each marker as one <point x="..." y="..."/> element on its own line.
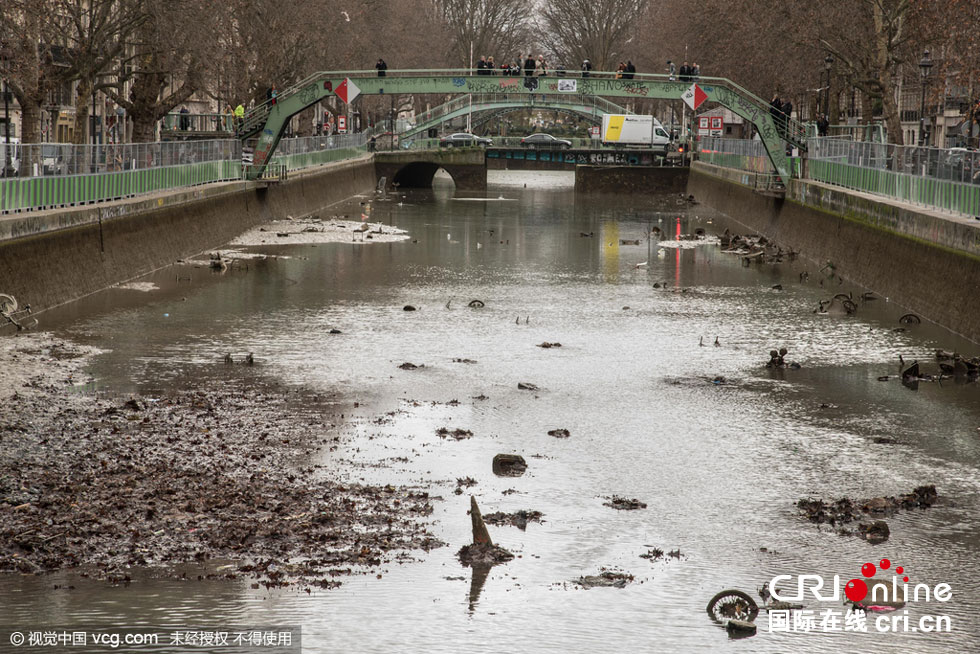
<point x="83" y="96"/>
<point x="144" y="127"/>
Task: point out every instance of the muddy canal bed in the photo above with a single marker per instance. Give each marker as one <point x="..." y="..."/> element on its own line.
<point x="193" y="476"/>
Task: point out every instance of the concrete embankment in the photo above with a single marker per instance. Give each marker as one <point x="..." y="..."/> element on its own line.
<point x="52" y="257"/>
<point x="922" y="260"/>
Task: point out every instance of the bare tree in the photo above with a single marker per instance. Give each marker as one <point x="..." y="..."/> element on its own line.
<point x="499" y="28"/>
<point x="93" y="34"/>
<point x="602" y="31"/>
<point x="31" y="62"/>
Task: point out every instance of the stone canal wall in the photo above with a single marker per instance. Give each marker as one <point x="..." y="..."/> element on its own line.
<point x="921" y="260"/>
<point x="52" y="257"/>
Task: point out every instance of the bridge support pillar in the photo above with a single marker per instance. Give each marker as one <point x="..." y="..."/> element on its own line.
<point x="417" y="169"/>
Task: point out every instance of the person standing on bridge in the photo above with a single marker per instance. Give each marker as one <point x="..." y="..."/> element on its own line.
<point x="481" y="66"/>
<point x="586" y="68"/>
<point x="491" y="66"/>
<point x="542" y="68"/>
<point x="381" y="67"/>
<point x="630" y="70"/>
<point x="239" y="116"/>
<point x="529" y="66"/>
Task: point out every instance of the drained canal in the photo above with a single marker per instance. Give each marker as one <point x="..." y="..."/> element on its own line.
<point x="636" y="382"/>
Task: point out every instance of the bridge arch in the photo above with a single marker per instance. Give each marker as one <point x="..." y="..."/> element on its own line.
<point x="418" y="174"/>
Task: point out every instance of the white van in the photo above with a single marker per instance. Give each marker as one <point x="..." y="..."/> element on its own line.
<point x="9" y="157"/>
<point x="632" y="130"/>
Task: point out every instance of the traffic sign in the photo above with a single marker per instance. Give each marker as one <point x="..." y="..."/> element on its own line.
<point x="347" y="90"/>
<point x="342" y="124"/>
<point x="694" y="97"/>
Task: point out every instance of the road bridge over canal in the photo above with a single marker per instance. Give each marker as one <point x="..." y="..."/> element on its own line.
<point x="268" y="121"/>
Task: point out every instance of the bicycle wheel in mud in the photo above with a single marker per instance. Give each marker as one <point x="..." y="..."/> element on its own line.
<point x="7" y="303"/>
<point x="732" y="605"/>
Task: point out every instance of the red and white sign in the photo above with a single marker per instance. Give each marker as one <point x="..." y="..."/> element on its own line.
<point x="347" y="90"/>
<point x="342" y="124"/>
<point x="594" y="132"/>
<point x="711" y="125"/>
<point x="694" y="97"/>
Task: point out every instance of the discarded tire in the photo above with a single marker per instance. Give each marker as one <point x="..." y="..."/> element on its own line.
<point x="910" y="319"/>
<point x="509" y="465"/>
<point x="476" y="304"/>
<point x="732" y="604"/>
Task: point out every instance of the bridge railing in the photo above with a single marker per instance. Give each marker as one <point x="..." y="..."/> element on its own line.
<point x="946" y="179"/>
<point x="178" y="122"/>
<point x="743" y="154"/>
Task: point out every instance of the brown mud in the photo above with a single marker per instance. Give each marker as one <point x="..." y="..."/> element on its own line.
<point x="222" y="475"/>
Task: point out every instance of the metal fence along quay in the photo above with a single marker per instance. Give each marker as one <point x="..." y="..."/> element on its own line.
<point x="929" y="177"/>
<point x="73" y="175"/>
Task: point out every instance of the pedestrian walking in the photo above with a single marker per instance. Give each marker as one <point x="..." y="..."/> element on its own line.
<point x="185" y="120"/>
<point x="239" y="116"/>
<point x="381" y="67"/>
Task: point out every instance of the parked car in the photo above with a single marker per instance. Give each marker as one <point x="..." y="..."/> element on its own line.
<point x="542" y="140"/>
<point x="463" y="139"/>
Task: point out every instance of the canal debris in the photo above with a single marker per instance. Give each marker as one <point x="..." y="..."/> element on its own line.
<point x="471" y="361"/>
<point x="457" y="434"/>
<point x="517" y="519"/>
<point x="655" y="554"/>
<point x="839" y="305"/>
<point x="408" y="307"/>
<point x="845" y="511"/>
<point x="481" y="552"/>
<point x="476" y="304"/>
<point x="624" y="504"/>
<point x="910" y="319"/>
<point x="875" y="533"/>
<point x="605" y="579"/>
<point x="559" y="433"/>
<point x="463" y="482"/>
<point x="527" y="386"/>
<point x="190" y="477"/>
<point x="547" y="346"/>
<point x="732" y="604"/>
<point x="509" y="465"/>
<point x="777" y="359"/>
<point x="314" y="230"/>
<point x="411" y="366"/>
<point x="629" y="241"/>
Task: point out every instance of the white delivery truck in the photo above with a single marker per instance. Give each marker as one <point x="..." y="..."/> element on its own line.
<point x="637" y="131"/>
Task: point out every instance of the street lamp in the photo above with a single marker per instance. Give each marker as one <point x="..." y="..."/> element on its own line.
<point x="925" y="67"/>
<point x="828" y="62"/>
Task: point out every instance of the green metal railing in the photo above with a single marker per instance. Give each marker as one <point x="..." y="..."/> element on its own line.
<point x="39" y="193"/>
<point x="69" y="190"/>
<point x="955" y="197"/>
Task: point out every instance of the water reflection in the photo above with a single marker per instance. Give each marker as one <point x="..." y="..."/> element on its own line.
<point x="720" y="466"/>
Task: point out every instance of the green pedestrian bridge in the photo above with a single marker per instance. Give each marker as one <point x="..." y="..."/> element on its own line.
<point x="589" y="96"/>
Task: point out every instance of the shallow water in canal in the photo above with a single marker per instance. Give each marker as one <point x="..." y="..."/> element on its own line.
<point x="720" y="466"/>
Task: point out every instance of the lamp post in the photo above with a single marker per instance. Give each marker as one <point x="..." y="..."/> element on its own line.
<point x="828" y="63"/>
<point x="925" y="67"/>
